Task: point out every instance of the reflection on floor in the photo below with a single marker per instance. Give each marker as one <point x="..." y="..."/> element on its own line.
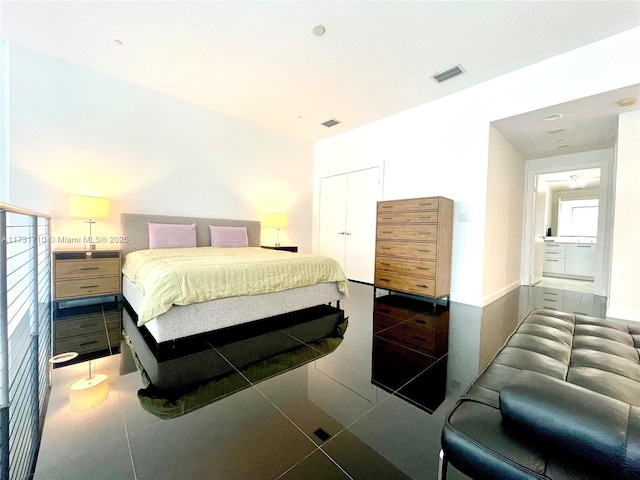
<point x="567" y="284"/>
<point x="371" y="408"/>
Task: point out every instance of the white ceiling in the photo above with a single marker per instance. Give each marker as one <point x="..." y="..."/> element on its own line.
<point x="590" y="123"/>
<point x="259" y="60"/>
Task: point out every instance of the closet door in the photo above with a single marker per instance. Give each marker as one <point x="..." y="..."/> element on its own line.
<point x="363" y="192"/>
<point x="333" y="217"/>
<point x="347" y="228"/>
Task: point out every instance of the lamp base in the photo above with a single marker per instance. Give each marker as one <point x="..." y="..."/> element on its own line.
<point x="88" y="392"/>
<point x="89" y="245"/>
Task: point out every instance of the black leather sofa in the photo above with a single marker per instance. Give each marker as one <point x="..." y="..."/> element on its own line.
<point x="560" y="400"/>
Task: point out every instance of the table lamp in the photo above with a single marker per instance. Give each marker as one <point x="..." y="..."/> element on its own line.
<point x="277" y="221"/>
<point x="90" y="208"/>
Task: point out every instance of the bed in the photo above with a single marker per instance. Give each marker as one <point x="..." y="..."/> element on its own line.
<point x="180" y="321"/>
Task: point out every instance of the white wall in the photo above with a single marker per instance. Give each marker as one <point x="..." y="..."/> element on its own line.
<point x="76" y="131"/>
<point x="624" y="302"/>
<point x="441" y="148"/>
<point x="503" y="226"/>
<point x="4" y="121"/>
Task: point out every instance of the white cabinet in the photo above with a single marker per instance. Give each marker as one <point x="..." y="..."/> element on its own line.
<point x="580" y="259"/>
<point x="570" y="260"/>
<point x="554" y="258"/>
<point x="347" y="226"/>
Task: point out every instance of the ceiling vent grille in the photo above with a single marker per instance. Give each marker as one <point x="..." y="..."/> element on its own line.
<point x="330" y="123"/>
<point x="447" y="74"/>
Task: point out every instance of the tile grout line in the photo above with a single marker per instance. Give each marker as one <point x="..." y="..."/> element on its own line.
<point x="316" y="446"/>
<point x="126" y="434"/>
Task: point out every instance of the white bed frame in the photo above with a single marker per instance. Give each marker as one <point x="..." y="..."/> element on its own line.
<point x="184" y="321"/>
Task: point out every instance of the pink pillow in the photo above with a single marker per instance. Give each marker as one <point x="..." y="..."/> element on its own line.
<point x="228" y="236"/>
<point x="167" y="235"/>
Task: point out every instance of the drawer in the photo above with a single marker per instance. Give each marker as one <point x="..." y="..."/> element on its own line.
<point x="401" y="283"/>
<point x="408" y="232"/>
<point x="408" y="217"/>
<point x="553" y="265"/>
<point x="419" y="251"/>
<point x="382" y="322"/>
<point x="76" y="269"/>
<point x="87" y="287"/>
<point x="86" y="325"/>
<point x="403" y="334"/>
<point x="400" y="314"/>
<point x="425" y="322"/>
<point x="88" y="343"/>
<point x="554" y="247"/>
<point x="554" y="253"/>
<point x="407" y="266"/>
<point x="412" y="204"/>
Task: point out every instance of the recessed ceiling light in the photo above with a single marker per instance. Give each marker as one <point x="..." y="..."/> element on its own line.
<point x="552" y="117"/>
<point x="563" y="146"/>
<point x="556" y="130"/>
<point x="318" y="30"/>
<point x="118" y="42"/>
<point x="559" y="140"/>
<point x="627" y="102"/>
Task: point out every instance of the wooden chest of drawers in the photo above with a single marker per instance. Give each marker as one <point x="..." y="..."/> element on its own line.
<point x="79" y="273"/>
<point x="85" y="319"/>
<point x="413" y="246"/>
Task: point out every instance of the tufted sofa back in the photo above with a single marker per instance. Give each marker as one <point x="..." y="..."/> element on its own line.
<point x="560" y="400"/>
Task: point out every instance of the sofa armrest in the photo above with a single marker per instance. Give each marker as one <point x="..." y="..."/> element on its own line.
<point x="584" y="423"/>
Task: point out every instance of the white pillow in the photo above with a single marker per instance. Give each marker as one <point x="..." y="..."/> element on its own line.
<point x="167" y="235"/>
<point x="228" y="236"/>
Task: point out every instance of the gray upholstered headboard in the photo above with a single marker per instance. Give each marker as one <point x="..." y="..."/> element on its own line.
<point x="136" y="230"/>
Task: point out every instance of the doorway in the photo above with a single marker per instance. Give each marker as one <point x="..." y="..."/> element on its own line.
<point x="347" y="220"/>
<point x="568" y="220"/>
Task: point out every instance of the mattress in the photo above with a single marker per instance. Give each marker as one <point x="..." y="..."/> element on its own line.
<point x="183" y="321"/>
<point x="186" y="276"/>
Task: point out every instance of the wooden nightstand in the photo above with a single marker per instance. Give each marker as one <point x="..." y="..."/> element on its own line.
<point x="87" y="313"/>
<point x="290" y="248"/>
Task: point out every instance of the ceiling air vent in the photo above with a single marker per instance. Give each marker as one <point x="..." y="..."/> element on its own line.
<point x="331" y="122"/>
<point x="447" y="74"/>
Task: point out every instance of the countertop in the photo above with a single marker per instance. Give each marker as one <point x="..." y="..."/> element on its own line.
<point x="592" y="240"/>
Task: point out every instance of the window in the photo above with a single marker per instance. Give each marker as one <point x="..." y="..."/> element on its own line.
<point x="578" y="218"/>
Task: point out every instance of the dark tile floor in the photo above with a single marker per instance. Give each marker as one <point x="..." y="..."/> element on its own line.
<point x="372" y="408"/>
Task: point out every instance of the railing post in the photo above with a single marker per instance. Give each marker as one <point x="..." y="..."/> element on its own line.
<point x="35" y="322"/>
<point x="4" y="352"/>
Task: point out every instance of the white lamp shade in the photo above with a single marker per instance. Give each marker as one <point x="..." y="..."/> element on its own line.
<point x="88" y="392"/>
<point x="88" y="207"/>
<point x="274" y="220"/>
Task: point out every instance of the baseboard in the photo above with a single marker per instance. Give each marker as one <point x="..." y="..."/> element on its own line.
<point x="496" y="295"/>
